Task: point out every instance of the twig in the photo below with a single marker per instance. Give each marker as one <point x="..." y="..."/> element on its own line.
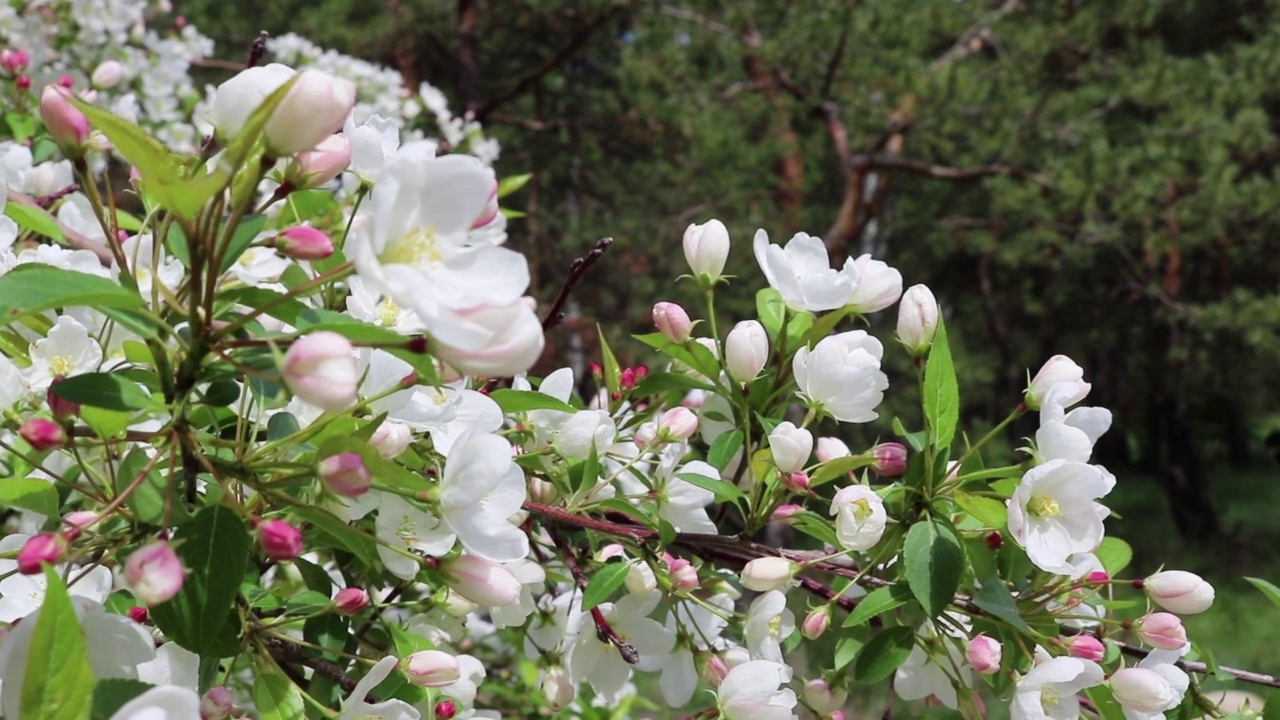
<point x="943" y="172"/>
<point x="577" y="269"/>
<point x="604" y="630"/>
<point x="1196" y="666"/>
<point x="45" y="201"/>
<point x="257" y="49"/>
<point x="286" y="653"/>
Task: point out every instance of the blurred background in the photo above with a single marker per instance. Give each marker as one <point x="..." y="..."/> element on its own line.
<point x="1090" y="178"/>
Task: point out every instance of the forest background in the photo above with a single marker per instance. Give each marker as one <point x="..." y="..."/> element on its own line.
<point x="1095" y="178"/>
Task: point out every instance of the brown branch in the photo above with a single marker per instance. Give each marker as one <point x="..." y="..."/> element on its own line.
<point x="286" y="654"/>
<point x="530" y="78"/>
<point x="468" y="55"/>
<point x="604" y="630"/>
<point x="1195" y="666"/>
<point x="943" y="172"/>
<point x="577" y="269"/>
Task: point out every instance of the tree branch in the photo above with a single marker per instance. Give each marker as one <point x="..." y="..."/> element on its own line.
<point x="944" y="172"/>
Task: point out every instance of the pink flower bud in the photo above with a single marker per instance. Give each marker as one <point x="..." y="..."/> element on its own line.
<point x="782" y="512"/>
<point x="40" y="549"/>
<point x="14" y="61"/>
<point x="66" y="81"/>
<point x="646" y="435"/>
<point x="481" y="581"/>
<point x="1085" y="647"/>
<point x="823" y="698"/>
<point x="984" y="654"/>
<point x="22" y="83"/>
<point x="746" y="350"/>
<point x="320" y="370"/>
<point x="350" y="601"/>
<point x="61" y="409"/>
<point x="67" y="126"/>
<point x="315" y="108"/>
<point x="889" y="459"/>
<point x="446" y="709"/>
<point x="542" y="491"/>
<point x="43" y="434"/>
<point x="994" y="540"/>
<point x="684" y="575"/>
<point x="706" y="248"/>
<point x="672" y="321"/>
<point x="74" y="522"/>
<point x="678" y="423"/>
<point x="303" y="242"/>
<point x="279" y="540"/>
<point x="558" y="689"/>
<point x="314" y="168"/>
<point x="432" y="669"/>
<point x="391" y="439"/>
<point x="815" y="623"/>
<point x="1179" y="591"/>
<point x="138" y="614"/>
<point x="767" y="573"/>
<point x="796" y="482"/>
<point x="1161" y="630"/>
<point x="107" y="75"/>
<point x="1143" y="690"/>
<point x="154" y="573"/>
<point x="345" y="474"/>
<point x="829" y="448"/>
<point x="1097" y="576"/>
<point x="714" y="670"/>
<point x="217" y="703"/>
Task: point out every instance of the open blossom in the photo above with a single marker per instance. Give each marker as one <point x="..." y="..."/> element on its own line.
<point x="753" y="691"/>
<point x="767" y="625"/>
<point x="1058" y="369"/>
<point x="357" y="706"/>
<point x="801" y="272"/>
<point x="841" y="376"/>
<point x="1048" y="691"/>
<point x="791" y="447"/>
<point x="1068" y="435"/>
<point x="879" y="285"/>
<point x="1052" y="513"/>
<point x="933" y="662"/>
<point x="860" y="517"/>
<point x="481" y="488"/>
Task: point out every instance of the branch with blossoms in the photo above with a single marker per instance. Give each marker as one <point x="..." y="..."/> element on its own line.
<point x="280" y="441"/>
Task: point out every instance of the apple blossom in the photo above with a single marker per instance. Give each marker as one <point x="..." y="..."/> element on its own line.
<point x="746" y="350"/>
<point x="1085" y="647"/>
<point x="1161" y="630"/>
<point x="984" y="654"/>
<point x="678" y="424"/>
<point x="841" y="376"/>
<point x="889" y="459"/>
<point x="345" y="474"/>
<point x="767" y="625"/>
<point x="1142" y="690"/>
<point x="107" y="75"/>
<point x="860" y="517"/>
<point x="314" y="108"/>
<point x="1049" y="690"/>
<point x="391" y="439"/>
<point x="557" y="689"/>
<point x="67" y="126"/>
<point x="216" y="703"/>
<point x="767" y="573"/>
<point x="917" y="319"/>
<point x="154" y="573"/>
<point x="672" y="321"/>
<point x="14" y="60"/>
<point x="879" y="285"/>
<point x="1057" y="369"/>
<point x="751" y="691"/>
<point x="350" y="601"/>
<point x="432" y="668"/>
<point x="42" y="434"/>
<point x="481" y="488"/>
<point x="815" y="624"/>
<point x="41" y="549"/>
<point x="314" y="168"/>
<point x="357" y="707"/>
<point x="802" y="274"/>
<point x="706" y="248"/>
<point x="791" y="447"/>
<point x="824" y="699"/>
<point x="1179" y="591"/>
<point x="302" y="242"/>
<point x="319" y="368"/>
<point x="830" y="448"/>
<point x="481" y="581"/>
<point x="1052" y="513"/>
<point x="279" y="540"/>
<point x="935" y="668"/>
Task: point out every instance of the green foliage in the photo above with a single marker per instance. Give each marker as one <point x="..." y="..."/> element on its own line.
<point x="58" y="682"/>
<point x="34" y="288"/>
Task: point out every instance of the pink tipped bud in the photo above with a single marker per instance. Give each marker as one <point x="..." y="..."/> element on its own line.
<point x="823" y="698"/>
<point x="767" y="573"/>
<point x="481" y="581"/>
<point x="672" y="321"/>
<point x="714" y="670"/>
<point x="350" y="601"/>
<point x="154" y="573"/>
<point x="1086" y="647"/>
<point x="43" y="434"/>
<point x="1179" y="591"/>
<point x="816" y="623"/>
<point x="14" y="61"/>
<point x="303" y="242"/>
<point x="1161" y="630"/>
<point x="432" y="668"/>
<point x="217" y="703"/>
<point x="74" y="522"/>
<point x="558" y="689"/>
<point x="678" y="423"/>
<point x="984" y="654"/>
<point x="391" y="439"/>
<point x="67" y="126"/>
<point x="314" y="168"/>
<point x="684" y="575"/>
<point x="66" y="81"/>
<point x="61" y="409"/>
<point x="279" y="540"/>
<point x="783" y="512"/>
<point x="107" y="75"/>
<point x="889" y="459"/>
<point x="829" y="448"/>
<point x="345" y="474"/>
<point x="319" y="369"/>
<point x="646" y="435"/>
<point x="796" y="482"/>
<point x="1142" y="690"/>
<point x="139" y="614"/>
<point x="23" y="82"/>
<point x="446" y="710"/>
<point x="40" y="549"/>
<point x="994" y="540"/>
<point x="315" y="108"/>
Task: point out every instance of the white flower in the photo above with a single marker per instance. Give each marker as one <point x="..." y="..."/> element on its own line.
<point x="1052" y="513"/>
<point x="599" y="664"/>
<point x="407" y="527"/>
<point x="1049" y="691"/>
<point x="751" y="691"/>
<point x="680" y="502"/>
<point x="932" y="666"/>
<point x="66" y="351"/>
<point x="161" y="703"/>
<point x="355" y="707"/>
<point x="371" y="307"/>
<point x="173" y="665"/>
<point x="373" y="143"/>
<point x="1068" y="435"/>
<point x="879" y="285"/>
<point x="1058" y="369"/>
<point x="860" y="517"/>
<point x="238" y="97"/>
<point x="802" y="273"/>
<point x="514" y="339"/>
<point x="1166" y="694"/>
<point x="768" y="624"/>
<point x="480" y="489"/>
<point x="585" y="430"/>
<point x="791" y="447"/>
<point x="841" y="376"/>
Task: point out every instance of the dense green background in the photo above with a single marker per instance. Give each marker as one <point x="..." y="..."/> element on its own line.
<point x="1095" y="179"/>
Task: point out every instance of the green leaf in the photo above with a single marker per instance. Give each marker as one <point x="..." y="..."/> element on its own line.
<point x="941" y="396"/>
<point x="276" y="697"/>
<point x="603" y="583"/>
<point x="612" y="371"/>
<point x="148" y="501"/>
<point x="29" y="494"/>
<point x="846" y="649"/>
<point x="724" y="490"/>
<point x="837" y="467"/>
<point x="1271" y="591"/>
<point x="815" y="526"/>
<point x="724" y="448"/>
<point x="879" y="658"/>
<point x="215" y="549"/>
<point x="772" y="311"/>
<point x="34" y="219"/>
<point x="340" y="533"/>
<point x="995" y="598"/>
<point x="520" y="401"/>
<point x="1114" y="554"/>
<point x="109" y="391"/>
<point x="512" y="183"/>
<point x="58" y="681"/>
<point x="1271" y="710"/>
<point x="111" y="694"/>
<point x="934" y="563"/>
<point x="108" y="424"/>
<point x="33" y="288"/>
<point x="1104" y="703"/>
<point x="877" y="602"/>
<point x="991" y="513"/>
<point x="690" y="354"/>
<point x="244" y="235"/>
<point x="914" y="439"/>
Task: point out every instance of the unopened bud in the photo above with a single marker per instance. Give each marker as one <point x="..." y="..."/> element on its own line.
<point x="917" y="319"/>
<point x="432" y="668"/>
<point x="217" y="703"/>
<point x="706" y="248"/>
<point x="154" y="573"/>
<point x="640" y="579"/>
<point x="1179" y="591"/>
<point x="446" y="709"/>
<point x="1142" y="690"/>
<point x="829" y="448"/>
<point x="557" y="689"/>
<point x="1161" y="630"/>
<point x="40" y="549"/>
<point x="796" y="482"/>
<point x="791" y="447"/>
<point x="746" y="350"/>
<point x="994" y="540"/>
<point x="138" y="614"/>
<point x="1085" y="647"/>
<point x="889" y="459"/>
<point x="672" y="321"/>
<point x="823" y="698"/>
<point x="14" y="61"/>
<point x="67" y="126"/>
<point x="314" y="168"/>
<point x="315" y="108"/>
<point x="481" y="581"/>
<point x="107" y="75"/>
<point x="984" y="654"/>
<point x="391" y="439"/>
<point x="784" y="512"/>
<point x="303" y="242"/>
<point x="320" y="370"/>
<point x="61" y="409"/>
<point x="43" y="434"/>
<point x="816" y="623"/>
<point x="684" y="575"/>
<point x="350" y="601"/>
<point x="767" y="573"/>
<point x="678" y="423"/>
<point x="279" y="540"/>
<point x="345" y="474"/>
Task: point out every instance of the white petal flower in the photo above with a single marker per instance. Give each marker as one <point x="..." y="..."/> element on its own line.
<point x="802" y="273"/>
<point x="356" y="707"/>
<point x="406" y="526"/>
<point x="879" y="285"/>
<point x="67" y="350"/>
<point x="751" y="691"/>
<point x="480" y="490"/>
<point x="1049" y="691"/>
<point x="161" y="703"/>
<point x="860" y="517"/>
<point x="1052" y="513"/>
<point x="841" y="376"/>
<point x="768" y="624"/>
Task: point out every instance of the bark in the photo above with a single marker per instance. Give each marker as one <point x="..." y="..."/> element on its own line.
<point x="789" y="167"/>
